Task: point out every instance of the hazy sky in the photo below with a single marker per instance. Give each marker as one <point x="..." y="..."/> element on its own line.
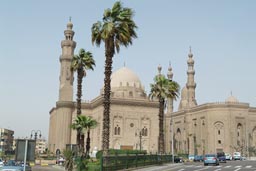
<point x="222" y="34"/>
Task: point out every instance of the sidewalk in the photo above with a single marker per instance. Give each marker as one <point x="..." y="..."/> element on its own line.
<point x="149" y="168"/>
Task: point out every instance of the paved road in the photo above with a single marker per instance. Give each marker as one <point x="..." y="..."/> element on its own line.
<point x="229" y="166"/>
<point x="191" y="166"/>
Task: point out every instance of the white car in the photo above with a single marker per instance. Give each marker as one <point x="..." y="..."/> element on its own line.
<point x="237" y="156"/>
<point x="1" y="163"/>
<point x="228" y="156"/>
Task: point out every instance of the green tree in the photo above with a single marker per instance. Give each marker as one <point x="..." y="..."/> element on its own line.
<point x="89" y="124"/>
<point x="116" y="29"/>
<point x="69" y="162"/>
<point x="163" y="88"/>
<point x="84" y="123"/>
<point x="80" y="63"/>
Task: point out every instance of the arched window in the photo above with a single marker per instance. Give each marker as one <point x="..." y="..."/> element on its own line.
<point x="239" y="133"/>
<point x="219" y="134"/>
<point x="144" y="132"/>
<point x="117" y="130"/>
<point x="178" y="140"/>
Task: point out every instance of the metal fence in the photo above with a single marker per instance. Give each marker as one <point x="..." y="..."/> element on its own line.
<point x="119" y="162"/>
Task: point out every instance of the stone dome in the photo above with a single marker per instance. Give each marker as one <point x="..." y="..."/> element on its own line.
<point x="184" y="93"/>
<point x="125" y="77"/>
<point x="126" y="84"/>
<point x="232" y="99"/>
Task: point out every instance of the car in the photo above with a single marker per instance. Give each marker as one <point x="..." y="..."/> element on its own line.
<point x="211" y="159"/>
<point x="191" y="157"/>
<point x="237" y="156"/>
<point x="198" y="158"/>
<point x="12" y="165"/>
<point x="221" y="156"/>
<point x="1" y="163"/>
<point x="60" y="161"/>
<point x="178" y="159"/>
<point x="228" y="156"/>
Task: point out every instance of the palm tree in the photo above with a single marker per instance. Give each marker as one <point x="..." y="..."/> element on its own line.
<point x="116" y="29"/>
<point x="162" y="89"/>
<point x="84" y="123"/>
<point x="89" y="124"/>
<point x="80" y="63"/>
<point x="69" y="162"/>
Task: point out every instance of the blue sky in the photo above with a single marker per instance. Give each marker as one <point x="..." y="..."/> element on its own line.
<point x="222" y="35"/>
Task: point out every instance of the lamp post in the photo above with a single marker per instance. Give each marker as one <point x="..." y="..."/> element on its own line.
<point x="35" y="133"/>
<point x="140" y="137"/>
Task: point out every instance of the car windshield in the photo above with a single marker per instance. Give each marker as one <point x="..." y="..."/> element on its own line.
<point x="220" y="154"/>
<point x="11" y="163"/>
<point x="210" y="155"/>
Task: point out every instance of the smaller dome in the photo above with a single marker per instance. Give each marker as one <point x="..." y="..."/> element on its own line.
<point x="184" y="93"/>
<point x="231" y="99"/>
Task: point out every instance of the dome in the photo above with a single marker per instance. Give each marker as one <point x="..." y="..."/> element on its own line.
<point x="126" y="84"/>
<point x="125" y="77"/>
<point x="184" y="93"/>
<point x="232" y="99"/>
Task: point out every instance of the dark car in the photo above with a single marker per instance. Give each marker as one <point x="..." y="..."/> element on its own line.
<point x="198" y="158"/>
<point x="178" y="159"/>
<point x="221" y="156"/>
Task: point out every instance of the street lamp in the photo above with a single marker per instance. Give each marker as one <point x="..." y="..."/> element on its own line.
<point x="140" y="136"/>
<point x="35" y="133"/>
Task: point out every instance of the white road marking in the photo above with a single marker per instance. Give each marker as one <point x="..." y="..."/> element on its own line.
<point x="248" y="166"/>
<point x="204" y="168"/>
<point x="217" y="169"/>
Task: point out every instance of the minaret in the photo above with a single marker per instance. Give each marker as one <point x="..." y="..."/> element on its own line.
<point x="170" y="101"/>
<point x="191" y="85"/>
<point x="62" y="116"/>
<point x="66" y="76"/>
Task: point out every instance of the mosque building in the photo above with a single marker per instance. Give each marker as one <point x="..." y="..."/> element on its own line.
<point x="134" y="124"/>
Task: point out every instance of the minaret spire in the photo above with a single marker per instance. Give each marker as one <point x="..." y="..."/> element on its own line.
<point x="159" y="68"/>
<point x="66" y="77"/>
<point x="170" y="77"/>
<point x="191" y="85"/>
<point x="170" y="74"/>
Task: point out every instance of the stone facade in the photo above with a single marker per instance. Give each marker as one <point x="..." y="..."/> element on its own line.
<point x="197" y="129"/>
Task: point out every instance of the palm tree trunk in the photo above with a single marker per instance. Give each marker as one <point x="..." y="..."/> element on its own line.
<point x="82" y="144"/>
<point x="87" y="144"/>
<point x="80" y="75"/>
<point x="161" y="126"/>
<point x="109" y="52"/>
<point x="78" y="103"/>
